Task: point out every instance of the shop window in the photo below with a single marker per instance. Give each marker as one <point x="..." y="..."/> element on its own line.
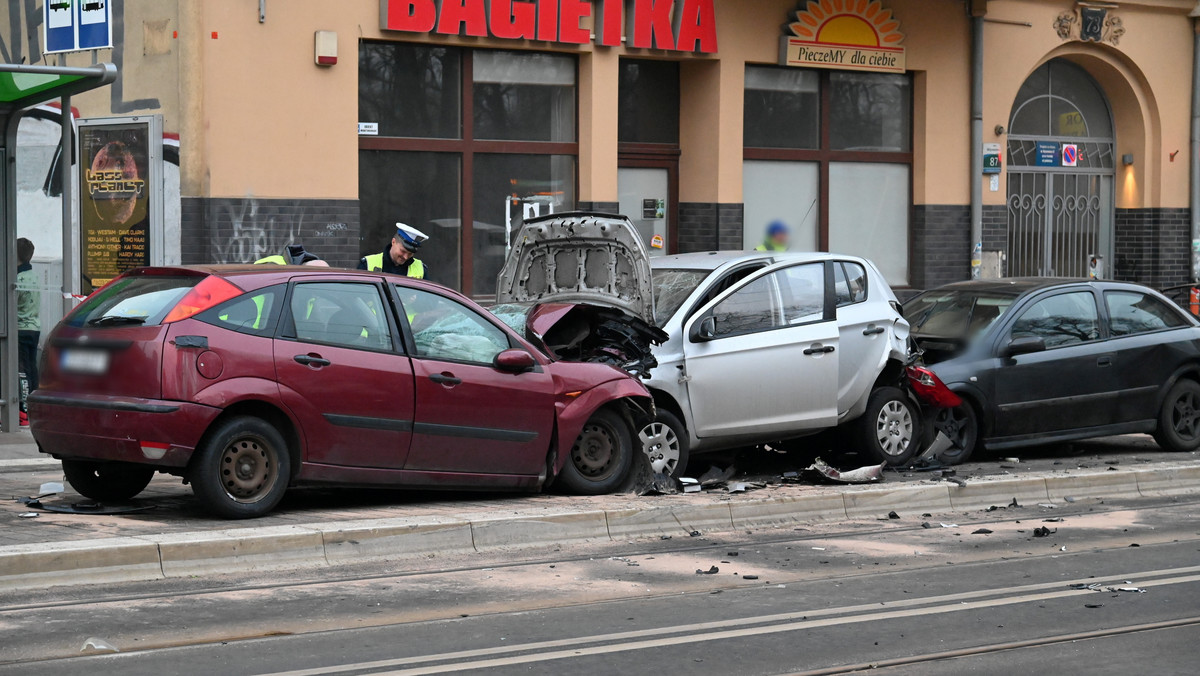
<point x="870" y="111"/>
<point x="646" y="89"/>
<point x="508" y="189"/>
<point x="782" y="108"/>
<point x="418" y="188"/>
<point x="410" y="90"/>
<point x="488" y="135"/>
<point x="868" y="214"/>
<point x="786" y="191"/>
<point x="830" y="154"/>
<point x="524" y="96"/>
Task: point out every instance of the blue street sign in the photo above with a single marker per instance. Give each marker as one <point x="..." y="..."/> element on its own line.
<point x="1046" y="154"/>
<point x="59" y="21"/>
<point x="75" y="25"/>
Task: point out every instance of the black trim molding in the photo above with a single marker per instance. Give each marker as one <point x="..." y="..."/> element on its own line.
<point x="369" y="423"/>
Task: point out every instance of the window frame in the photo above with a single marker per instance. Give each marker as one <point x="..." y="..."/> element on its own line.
<point x="824" y="155"/>
<point x="1171" y="307"/>
<point x="829" y="310"/>
<point x="866" y="287"/>
<point x="467" y="146"/>
<point x="1101" y="317"/>
<point x="287" y="325"/>
<point x="410" y="340"/>
<point x="280" y="291"/>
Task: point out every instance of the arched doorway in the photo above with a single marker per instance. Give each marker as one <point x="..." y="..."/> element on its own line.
<point x="1060" y="173"/>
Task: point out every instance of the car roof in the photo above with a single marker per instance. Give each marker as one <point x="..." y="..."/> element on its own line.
<point x="711" y="260"/>
<point x="1010" y="286"/>
<point x="256" y="276"/>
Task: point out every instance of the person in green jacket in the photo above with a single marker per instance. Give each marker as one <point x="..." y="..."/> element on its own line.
<point x="777" y="237"/>
<point x="29" y="322"/>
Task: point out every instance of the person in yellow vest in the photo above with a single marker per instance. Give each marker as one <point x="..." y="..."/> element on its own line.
<point x="293" y="254"/>
<point x="777" y="237"/>
<point x="400" y="255"/>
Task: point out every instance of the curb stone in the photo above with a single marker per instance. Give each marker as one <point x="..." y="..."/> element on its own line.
<point x="127" y="559"/>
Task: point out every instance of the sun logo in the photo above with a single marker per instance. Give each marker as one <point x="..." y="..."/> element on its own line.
<point x="858" y="23"/>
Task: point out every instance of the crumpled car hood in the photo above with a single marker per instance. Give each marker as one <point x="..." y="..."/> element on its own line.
<point x="579" y="257"/>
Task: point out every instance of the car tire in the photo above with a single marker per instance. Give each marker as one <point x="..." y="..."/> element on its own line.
<point x="664" y="440"/>
<point x="965" y="422"/>
<point x="1179" y="418"/>
<point x="889" y="430"/>
<point x="107" y="481"/>
<point x="602" y="456"/>
<point x="241" y="469"/>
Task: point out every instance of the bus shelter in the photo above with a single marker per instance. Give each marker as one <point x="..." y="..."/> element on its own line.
<point x="22" y="87"/>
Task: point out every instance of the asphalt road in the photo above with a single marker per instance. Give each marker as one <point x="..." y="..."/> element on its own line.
<point x="887" y="594"/>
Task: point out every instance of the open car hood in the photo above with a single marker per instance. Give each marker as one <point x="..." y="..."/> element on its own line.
<point x="579" y="257"/>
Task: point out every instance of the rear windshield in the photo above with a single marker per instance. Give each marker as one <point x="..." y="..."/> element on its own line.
<point x="955" y="314"/>
<point x="671" y="288"/>
<point x="132" y="301"/>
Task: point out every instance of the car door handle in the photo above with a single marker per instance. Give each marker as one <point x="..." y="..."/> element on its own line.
<point x="445" y="379"/>
<point x="1104" y="361"/>
<point x="820" y="350"/>
<point x="311" y="360"/>
<point x="873" y="330"/>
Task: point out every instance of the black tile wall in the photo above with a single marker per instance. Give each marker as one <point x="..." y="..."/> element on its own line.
<point x="1153" y="246"/>
<point x="710" y="226"/>
<point x="941" y="245"/>
<point x="242" y="230"/>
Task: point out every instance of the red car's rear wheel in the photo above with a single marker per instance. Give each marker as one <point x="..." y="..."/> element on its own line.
<point x="242" y="468"/>
<point x="107" y="481"/>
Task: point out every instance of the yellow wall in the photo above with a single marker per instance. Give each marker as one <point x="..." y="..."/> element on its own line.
<point x="259" y="118"/>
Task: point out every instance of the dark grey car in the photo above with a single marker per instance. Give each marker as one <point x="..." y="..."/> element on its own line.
<point x="1050" y="359"/>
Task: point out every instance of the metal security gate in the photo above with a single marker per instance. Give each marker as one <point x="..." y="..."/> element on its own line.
<point x="1057" y="222"/>
<point x="1061" y="170"/>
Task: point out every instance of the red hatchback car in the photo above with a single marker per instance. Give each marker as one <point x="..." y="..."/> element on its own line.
<point x="245" y="380"/>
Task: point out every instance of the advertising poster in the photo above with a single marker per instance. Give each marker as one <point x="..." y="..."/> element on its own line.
<point x="115" y="200"/>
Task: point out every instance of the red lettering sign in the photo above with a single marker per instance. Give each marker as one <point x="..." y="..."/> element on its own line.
<point x="651" y="25"/>
<point x="696" y="27"/>
<point x="463" y="17"/>
<point x="547" y="20"/>
<point x="680" y="25"/>
<point x="513" y="20"/>
<point x="417" y="16"/>
<point x="571" y="13"/>
<point x="608" y="22"/>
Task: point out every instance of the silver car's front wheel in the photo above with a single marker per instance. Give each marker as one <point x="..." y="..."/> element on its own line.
<point x="664" y="442"/>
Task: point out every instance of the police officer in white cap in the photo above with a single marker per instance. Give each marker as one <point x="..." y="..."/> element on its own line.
<point x="400" y="255"/>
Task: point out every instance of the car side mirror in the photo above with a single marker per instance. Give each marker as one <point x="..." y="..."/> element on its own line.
<point x="704" y="330"/>
<point x="1025" y="345"/>
<point x="514" y="361"/>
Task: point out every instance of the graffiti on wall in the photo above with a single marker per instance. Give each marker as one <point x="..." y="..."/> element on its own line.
<point x="253" y="233"/>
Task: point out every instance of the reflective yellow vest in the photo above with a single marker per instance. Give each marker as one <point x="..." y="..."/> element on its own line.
<point x="770" y="246"/>
<point x="416" y="269"/>
<point x="276" y="259"/>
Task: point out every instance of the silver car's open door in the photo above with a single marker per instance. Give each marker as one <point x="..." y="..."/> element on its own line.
<point x="762" y="358"/>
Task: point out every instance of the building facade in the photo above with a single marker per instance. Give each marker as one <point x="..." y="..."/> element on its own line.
<point x="325" y="122"/>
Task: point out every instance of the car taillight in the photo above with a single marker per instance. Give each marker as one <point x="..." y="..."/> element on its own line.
<point x="209" y="293"/>
<point x="931" y="389"/>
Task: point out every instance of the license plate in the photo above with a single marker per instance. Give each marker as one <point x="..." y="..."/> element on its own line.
<point x="84" y="361"/>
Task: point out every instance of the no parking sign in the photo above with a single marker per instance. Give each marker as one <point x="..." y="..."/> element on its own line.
<point x="1070" y="154"/>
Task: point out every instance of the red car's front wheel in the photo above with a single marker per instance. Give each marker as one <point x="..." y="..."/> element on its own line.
<point x="601" y="457"/>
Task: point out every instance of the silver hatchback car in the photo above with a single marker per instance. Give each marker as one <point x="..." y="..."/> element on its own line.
<point x="767" y="347"/>
<point x="738" y="348"/>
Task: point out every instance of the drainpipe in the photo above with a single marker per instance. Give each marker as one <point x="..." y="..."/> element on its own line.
<point x="1194" y="159"/>
<point x="978" y="9"/>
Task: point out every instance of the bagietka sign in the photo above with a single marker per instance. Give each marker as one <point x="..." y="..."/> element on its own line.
<point x="844" y="34"/>
<point x="675" y="25"/>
